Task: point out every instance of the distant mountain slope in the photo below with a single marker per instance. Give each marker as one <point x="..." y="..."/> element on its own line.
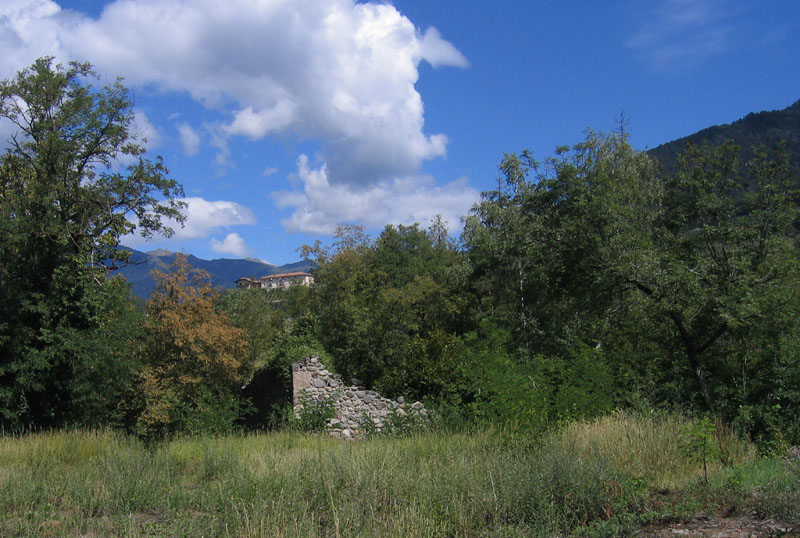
<point x="766" y="128"/>
<point x="224" y="272"/>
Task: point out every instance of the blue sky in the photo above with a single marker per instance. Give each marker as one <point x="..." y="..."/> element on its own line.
<point x="282" y="118"/>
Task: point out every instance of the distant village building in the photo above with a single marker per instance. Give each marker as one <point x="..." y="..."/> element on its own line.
<point x="277" y="281"/>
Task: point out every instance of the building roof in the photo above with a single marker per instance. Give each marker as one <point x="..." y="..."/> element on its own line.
<point x="281" y="275"/>
<point x="277" y="275"/>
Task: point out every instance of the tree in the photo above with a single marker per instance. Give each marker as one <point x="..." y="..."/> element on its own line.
<point x="108" y="358"/>
<point x="195" y="359"/>
<point x="73" y="180"/>
<point x="593" y="247"/>
<point x="389" y="311"/>
<point x="727" y="259"/>
<point x="279" y="332"/>
<point x="258" y="313"/>
<point x="545" y="245"/>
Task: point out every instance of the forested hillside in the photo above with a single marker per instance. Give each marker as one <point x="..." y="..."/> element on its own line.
<point x="757" y="129"/>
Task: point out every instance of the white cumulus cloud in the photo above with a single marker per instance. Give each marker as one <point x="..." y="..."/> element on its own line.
<point x="203" y="217"/>
<point x="340" y="72"/>
<point x="318" y="206"/>
<point x="30" y="29"/>
<point x="232" y="244"/>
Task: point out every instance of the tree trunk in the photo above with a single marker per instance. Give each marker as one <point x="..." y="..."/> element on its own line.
<point x="693" y="353"/>
<point x="694" y="360"/>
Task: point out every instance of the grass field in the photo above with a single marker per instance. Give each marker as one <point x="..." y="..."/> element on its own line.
<point x="600" y="478"/>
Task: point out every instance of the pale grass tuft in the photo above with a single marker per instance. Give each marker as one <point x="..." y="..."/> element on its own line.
<point x="647" y="445"/>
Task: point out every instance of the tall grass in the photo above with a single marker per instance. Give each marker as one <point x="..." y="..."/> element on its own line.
<point x="648" y="446"/>
<point x="590" y="479"/>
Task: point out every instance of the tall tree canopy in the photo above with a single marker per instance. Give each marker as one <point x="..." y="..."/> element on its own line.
<point x="73" y="180"/>
<point x="682" y="281"/>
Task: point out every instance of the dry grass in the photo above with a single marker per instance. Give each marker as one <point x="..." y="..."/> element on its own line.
<point x="649" y="446"/>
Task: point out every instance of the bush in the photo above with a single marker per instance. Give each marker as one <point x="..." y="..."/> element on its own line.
<point x="535" y="395"/>
<point x="312" y="416"/>
<point x="211" y="415"/>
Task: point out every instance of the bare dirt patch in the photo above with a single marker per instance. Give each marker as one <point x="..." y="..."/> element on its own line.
<point x="724" y="527"/>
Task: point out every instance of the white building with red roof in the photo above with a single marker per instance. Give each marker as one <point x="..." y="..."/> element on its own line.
<point x="277" y="281"/>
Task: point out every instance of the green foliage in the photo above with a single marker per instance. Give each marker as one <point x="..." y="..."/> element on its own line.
<point x="729" y="265"/>
<point x="539" y="394"/>
<point x="685" y="287"/>
<point x="81" y="362"/>
<point x="577" y="386"/>
<point x="546" y="245"/>
<point x="570" y="491"/>
<point x="508" y="393"/>
<point x="296" y="340"/>
<point x="584" y="282"/>
<point x="389" y="312"/>
<point x="67" y="195"/>
<point x="699" y="444"/>
<point x="256" y="312"/>
<point x="108" y="360"/>
<point x="312" y="416"/>
<point x="280" y="330"/>
<point x="277" y="322"/>
<point x="603" y="477"/>
<point x="210" y="414"/>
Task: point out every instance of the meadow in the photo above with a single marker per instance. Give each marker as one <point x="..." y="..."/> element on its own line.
<point x="606" y="477"/>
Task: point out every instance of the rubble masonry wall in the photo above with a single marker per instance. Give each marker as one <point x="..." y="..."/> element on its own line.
<point x="353" y="405"/>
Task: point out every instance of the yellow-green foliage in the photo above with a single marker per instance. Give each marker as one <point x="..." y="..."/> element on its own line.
<point x="58" y="448"/>
<point x="648" y="446"/>
<point x="281" y="484"/>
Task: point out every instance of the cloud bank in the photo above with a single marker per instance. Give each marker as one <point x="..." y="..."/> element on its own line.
<point x="337" y="72"/>
<point x="204" y="217"/>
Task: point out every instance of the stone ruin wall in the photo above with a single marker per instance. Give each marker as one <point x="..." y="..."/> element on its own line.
<point x="353" y="404"/>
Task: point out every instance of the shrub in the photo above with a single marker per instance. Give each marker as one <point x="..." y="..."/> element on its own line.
<point x="313" y="415"/>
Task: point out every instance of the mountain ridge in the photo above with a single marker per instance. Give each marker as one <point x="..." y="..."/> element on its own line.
<point x="223" y="271"/>
<point x="766" y="128"/>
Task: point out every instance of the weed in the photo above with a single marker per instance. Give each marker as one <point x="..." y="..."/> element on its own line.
<point x="699" y="444"/>
<point x="312" y="415"/>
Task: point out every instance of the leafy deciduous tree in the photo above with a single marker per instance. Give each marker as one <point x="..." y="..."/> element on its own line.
<point x="595" y="247"/>
<point x="73" y="180"/>
<point x="194" y="358"/>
